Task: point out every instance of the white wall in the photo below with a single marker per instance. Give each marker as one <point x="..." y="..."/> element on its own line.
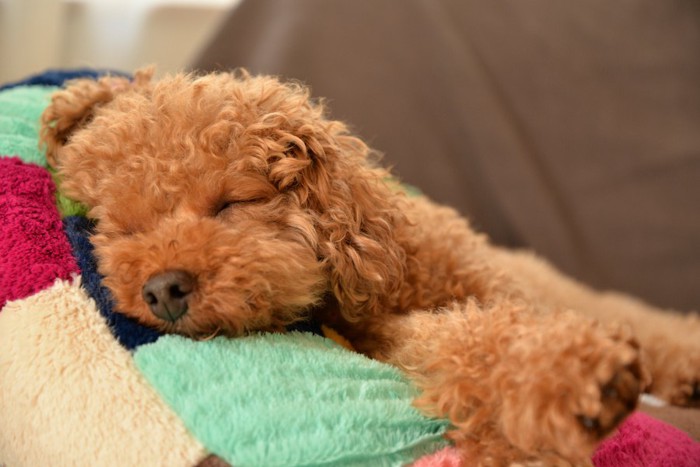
<point x="118" y="34"/>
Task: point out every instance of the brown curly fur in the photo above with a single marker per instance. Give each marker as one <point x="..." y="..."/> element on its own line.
<point x="280" y="213"/>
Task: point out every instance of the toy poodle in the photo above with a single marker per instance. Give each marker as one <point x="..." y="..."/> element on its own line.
<point x="229" y="203"/>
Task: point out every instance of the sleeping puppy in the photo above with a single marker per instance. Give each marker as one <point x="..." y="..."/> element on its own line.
<point x="229" y="204"/>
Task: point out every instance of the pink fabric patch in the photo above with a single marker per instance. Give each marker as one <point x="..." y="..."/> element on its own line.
<point x="446" y="457"/>
<point x="645" y="441"/>
<point x="34" y="251"/>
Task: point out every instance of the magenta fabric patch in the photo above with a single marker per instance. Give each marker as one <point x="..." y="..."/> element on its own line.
<point x="34" y="250"/>
<point x="446" y="457"/>
<point x="643" y="440"/>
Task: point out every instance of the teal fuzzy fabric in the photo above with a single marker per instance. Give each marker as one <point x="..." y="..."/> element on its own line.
<point x="289" y="400"/>
<point x="20" y="111"/>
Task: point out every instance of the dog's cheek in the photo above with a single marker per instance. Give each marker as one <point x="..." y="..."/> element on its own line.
<point x="124" y="274"/>
<point x="301" y="229"/>
<point x="271" y="284"/>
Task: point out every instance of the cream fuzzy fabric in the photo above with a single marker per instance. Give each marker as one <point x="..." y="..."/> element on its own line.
<point x="59" y="360"/>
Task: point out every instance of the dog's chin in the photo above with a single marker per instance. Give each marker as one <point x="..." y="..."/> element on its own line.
<point x="185" y="327"/>
<point x="206" y="320"/>
<point x="210" y="331"/>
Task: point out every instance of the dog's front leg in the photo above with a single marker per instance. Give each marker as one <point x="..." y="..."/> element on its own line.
<point x="517" y="384"/>
<point x="670" y="341"/>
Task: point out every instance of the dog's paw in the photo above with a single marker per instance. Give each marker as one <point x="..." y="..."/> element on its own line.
<point x="616" y="378"/>
<point x="678" y="380"/>
<point x="585" y="380"/>
<point x="674" y="360"/>
<point x="692" y="397"/>
<point x="618" y="398"/>
<point x="683" y="393"/>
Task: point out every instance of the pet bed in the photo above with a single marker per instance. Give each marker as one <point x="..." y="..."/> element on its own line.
<point x="82" y="385"/>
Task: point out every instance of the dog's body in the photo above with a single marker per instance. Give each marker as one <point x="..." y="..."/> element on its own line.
<point x="230" y="204"/>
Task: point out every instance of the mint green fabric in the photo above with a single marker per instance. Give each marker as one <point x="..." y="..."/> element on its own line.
<point x="25" y="148"/>
<point x="289" y="400"/>
<point x="17" y="126"/>
<point x="20" y="111"/>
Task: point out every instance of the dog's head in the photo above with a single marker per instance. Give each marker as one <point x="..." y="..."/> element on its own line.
<point x="224" y="201"/>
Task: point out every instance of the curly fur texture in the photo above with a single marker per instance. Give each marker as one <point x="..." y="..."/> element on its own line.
<point x="278" y="213"/>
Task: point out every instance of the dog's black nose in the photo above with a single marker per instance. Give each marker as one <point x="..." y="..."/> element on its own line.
<point x="166" y="294"/>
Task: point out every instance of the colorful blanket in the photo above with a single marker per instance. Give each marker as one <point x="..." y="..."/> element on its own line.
<point x="83" y="385"/>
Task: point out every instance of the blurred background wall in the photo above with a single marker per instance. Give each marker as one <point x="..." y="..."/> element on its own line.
<point x="117" y="34"/>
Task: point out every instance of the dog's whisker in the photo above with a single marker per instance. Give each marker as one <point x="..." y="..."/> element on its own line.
<point x="210" y="336"/>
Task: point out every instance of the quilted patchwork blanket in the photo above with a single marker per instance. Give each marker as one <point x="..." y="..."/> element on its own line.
<point x="83" y="385"/>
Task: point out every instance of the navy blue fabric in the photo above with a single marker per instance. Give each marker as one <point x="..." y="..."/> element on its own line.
<point x="128" y="332"/>
<point x="58" y="77"/>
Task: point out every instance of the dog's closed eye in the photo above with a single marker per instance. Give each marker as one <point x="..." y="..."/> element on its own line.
<point x="224" y="206"/>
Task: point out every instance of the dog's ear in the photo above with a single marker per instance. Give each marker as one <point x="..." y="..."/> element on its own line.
<point x="357" y="219"/>
<point x="73" y="107"/>
<point x="359" y="223"/>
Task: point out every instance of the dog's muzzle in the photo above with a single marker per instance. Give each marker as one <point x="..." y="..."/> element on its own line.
<point x="167" y="293"/>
